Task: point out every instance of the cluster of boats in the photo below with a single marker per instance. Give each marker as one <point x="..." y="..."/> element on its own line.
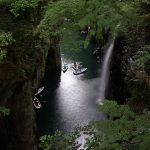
<point x="76" y="67"/>
<point x="36" y="101"/>
<point x="77" y="70"/>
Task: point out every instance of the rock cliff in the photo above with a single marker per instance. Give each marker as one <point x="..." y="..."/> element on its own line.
<point x="18" y="129"/>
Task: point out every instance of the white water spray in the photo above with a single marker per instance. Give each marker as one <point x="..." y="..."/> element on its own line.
<point x="105" y="71"/>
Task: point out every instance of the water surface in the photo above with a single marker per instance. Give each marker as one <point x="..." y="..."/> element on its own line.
<point x="70" y="99"/>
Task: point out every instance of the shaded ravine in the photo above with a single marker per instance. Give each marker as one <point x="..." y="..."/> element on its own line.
<point x="71" y="100"/>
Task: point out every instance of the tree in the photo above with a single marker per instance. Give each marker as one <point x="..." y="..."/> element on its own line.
<point x="98" y="15"/>
<point x="124" y="129"/>
<point x="17" y="17"/>
<point x="17" y="43"/>
<point x="137" y="78"/>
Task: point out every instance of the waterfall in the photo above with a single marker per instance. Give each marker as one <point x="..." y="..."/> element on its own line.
<point x="105" y="71"/>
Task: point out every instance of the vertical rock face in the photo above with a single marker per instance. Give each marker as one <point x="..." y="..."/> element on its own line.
<point x="18" y="129"/>
<point x="117" y="88"/>
<point x="53" y="59"/>
<point x="117" y="74"/>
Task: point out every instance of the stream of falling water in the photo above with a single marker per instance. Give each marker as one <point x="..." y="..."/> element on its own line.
<point x="103" y="84"/>
<point x="105" y="71"/>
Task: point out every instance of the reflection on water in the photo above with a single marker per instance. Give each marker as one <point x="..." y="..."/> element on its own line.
<point x="70" y="99"/>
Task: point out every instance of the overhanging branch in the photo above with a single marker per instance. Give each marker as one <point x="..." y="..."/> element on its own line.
<point x="123" y="13"/>
<point x="143" y="17"/>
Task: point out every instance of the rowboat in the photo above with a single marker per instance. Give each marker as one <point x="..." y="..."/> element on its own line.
<point x="37" y="103"/>
<point x="79" y="71"/>
<point x="65" y="67"/>
<point x="39" y="90"/>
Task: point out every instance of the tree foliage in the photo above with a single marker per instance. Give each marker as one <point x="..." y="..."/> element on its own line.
<point x="124" y="130"/>
<point x="97" y="15"/>
<point x="94" y="14"/>
<point x="17" y="43"/>
<point x="141" y="60"/>
<point x="137" y="77"/>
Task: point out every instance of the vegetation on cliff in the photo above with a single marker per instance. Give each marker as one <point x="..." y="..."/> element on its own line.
<point x="22" y="62"/>
<point x="20" y="51"/>
<point x="138" y="79"/>
<point x="17" y="43"/>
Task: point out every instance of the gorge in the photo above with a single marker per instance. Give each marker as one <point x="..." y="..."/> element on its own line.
<point x="30" y="56"/>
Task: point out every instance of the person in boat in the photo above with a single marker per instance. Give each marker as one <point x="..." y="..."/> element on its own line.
<point x="75" y="65"/>
<point x="36" y="92"/>
<point x="36" y="102"/>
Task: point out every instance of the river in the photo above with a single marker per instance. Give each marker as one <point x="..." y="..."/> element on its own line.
<point x="69" y="100"/>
